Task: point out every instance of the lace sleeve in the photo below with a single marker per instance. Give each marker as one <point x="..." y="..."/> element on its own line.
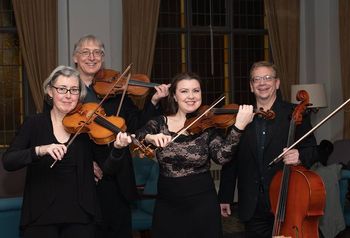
<point x="222" y="149"/>
<point x="152" y="127"/>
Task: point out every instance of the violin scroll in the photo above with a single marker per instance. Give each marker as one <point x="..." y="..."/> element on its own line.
<point x="267" y="115"/>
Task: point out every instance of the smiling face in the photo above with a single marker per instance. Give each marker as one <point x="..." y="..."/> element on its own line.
<point x="265" y="87"/>
<point x="188" y="95"/>
<point x="88" y="58"/>
<point x="64" y="103"/>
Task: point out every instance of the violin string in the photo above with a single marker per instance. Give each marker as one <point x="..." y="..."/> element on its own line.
<point x="123" y="95"/>
<point x="98" y="107"/>
<point x="115" y="84"/>
<point x="113" y="128"/>
<point x="73" y="138"/>
<point x="199" y="117"/>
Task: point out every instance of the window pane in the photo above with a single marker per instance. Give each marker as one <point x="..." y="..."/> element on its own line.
<point x="7" y="19"/>
<point x="167" y="58"/>
<point x="246" y="49"/>
<point x="209" y="65"/>
<point x="202" y="12"/>
<point x="170" y="13"/>
<point x="248" y="14"/>
<point x="11" y="92"/>
<point x="222" y="55"/>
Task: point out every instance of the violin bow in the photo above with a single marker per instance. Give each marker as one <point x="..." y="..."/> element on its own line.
<point x="123" y="95"/>
<point x="277" y="159"/>
<point x="98" y="107"/>
<point x="199" y="117"/>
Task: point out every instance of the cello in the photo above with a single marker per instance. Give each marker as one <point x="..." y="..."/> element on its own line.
<point x="297" y="195"/>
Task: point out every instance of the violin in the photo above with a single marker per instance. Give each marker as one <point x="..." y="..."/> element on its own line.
<point x="90" y="118"/>
<point x="221" y="118"/>
<point x="105" y="80"/>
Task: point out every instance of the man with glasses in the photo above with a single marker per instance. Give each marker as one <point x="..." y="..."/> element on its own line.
<point x="262" y="141"/>
<point x="117" y="188"/>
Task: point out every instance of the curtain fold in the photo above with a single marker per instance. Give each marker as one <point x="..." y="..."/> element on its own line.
<point x="140" y="20"/>
<point x="344" y="37"/>
<point x="282" y="18"/>
<point x="36" y="22"/>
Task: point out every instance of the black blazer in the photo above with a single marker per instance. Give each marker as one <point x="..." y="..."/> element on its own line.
<point x="246" y="168"/>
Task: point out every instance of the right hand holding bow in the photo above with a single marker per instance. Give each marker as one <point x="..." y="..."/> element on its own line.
<point x="56" y="151"/>
<point x="159" y="140"/>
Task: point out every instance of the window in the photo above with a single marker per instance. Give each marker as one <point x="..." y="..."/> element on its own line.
<point x="11" y="89"/>
<point x="218" y="39"/>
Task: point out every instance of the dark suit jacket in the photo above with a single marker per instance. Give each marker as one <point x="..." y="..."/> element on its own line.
<point x="246" y="168"/>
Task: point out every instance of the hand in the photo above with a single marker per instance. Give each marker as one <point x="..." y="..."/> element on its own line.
<point x="56" y="151"/>
<point x="159" y="140"/>
<point x="161" y="92"/>
<point x="225" y="209"/>
<point x="244" y="116"/>
<point x="291" y="157"/>
<point x="122" y="140"/>
<point x="97" y="172"/>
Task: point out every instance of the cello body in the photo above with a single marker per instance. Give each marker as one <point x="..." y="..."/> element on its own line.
<point x="305" y="202"/>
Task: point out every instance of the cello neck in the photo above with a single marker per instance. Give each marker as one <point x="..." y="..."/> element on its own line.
<point x="280" y="215"/>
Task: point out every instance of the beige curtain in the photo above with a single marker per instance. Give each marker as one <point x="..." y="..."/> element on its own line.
<point x="36" y="22"/>
<point x="140" y="20"/>
<point x="282" y="19"/>
<point x="344" y="31"/>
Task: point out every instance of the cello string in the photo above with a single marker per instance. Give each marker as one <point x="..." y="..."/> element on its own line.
<point x="276" y="225"/>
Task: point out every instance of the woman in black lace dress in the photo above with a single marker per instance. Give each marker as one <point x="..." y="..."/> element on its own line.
<point x="187" y="204"/>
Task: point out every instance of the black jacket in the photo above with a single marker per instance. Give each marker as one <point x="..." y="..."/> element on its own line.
<point x="245" y="167"/>
<point x="39" y="191"/>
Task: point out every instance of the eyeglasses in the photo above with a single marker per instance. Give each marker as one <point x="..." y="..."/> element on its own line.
<point x="96" y="53"/>
<point x="61" y="90"/>
<point x="266" y="78"/>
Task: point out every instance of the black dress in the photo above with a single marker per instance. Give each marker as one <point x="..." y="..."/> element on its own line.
<point x="187" y="204"/>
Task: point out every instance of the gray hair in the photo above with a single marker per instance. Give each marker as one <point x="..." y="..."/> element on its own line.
<point x="67" y="72"/>
<point x="88" y="38"/>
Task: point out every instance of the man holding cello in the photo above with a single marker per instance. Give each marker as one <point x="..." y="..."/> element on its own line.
<point x="114" y="192"/>
<point x="262" y="141"/>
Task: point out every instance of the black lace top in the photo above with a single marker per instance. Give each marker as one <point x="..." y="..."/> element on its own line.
<point x="190" y="154"/>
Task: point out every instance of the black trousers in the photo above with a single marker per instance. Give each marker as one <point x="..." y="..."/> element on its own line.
<point x="116" y="212"/>
<point x="261" y="224"/>
<point x="69" y="230"/>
